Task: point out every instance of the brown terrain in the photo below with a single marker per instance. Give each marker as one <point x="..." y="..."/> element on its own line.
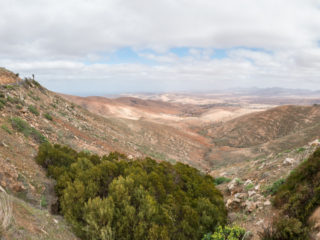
<point x="7" y="77"/>
<point x="252" y="145"/>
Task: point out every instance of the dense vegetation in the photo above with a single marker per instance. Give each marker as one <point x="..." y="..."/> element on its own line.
<point x="111" y="197"/>
<point x="297" y="198"/>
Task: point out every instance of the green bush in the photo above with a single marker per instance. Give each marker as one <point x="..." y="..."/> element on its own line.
<point x="226" y="233"/>
<point x="4" y="127"/>
<point x="3" y="101"/>
<point x="271" y="190"/>
<point x="43" y="202"/>
<point x="111" y="197"/>
<point x="33" y="110"/>
<point x="300" y="194"/>
<point x="48" y="116"/>
<point x="302" y="149"/>
<point x="220" y="180"/>
<point x="285" y="229"/>
<point x="249" y="186"/>
<point x="23" y="127"/>
<point x="296" y="198"/>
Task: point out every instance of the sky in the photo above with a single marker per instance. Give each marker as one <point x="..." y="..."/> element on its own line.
<point x="98" y="47"/>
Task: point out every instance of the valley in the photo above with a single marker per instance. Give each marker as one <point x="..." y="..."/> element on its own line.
<point x="248" y="142"/>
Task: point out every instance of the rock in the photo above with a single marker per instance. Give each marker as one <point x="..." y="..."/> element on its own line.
<point x="233" y="203"/>
<point x="251" y="193"/>
<point x="17" y="187"/>
<point x="262" y="166"/>
<point x="260" y="222"/>
<point x="235" y="182"/>
<point x="257" y="187"/>
<point x="240" y="195"/>
<point x="314" y="143"/>
<point x="257" y="197"/>
<point x="247" y="182"/>
<point x="237" y="200"/>
<point x="267" y="203"/>
<point x="288" y="161"/>
<point x="250" y="206"/>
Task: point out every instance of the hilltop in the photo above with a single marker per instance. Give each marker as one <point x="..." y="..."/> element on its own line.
<point x="7" y="77"/>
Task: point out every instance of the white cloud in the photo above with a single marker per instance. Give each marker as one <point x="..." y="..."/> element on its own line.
<point x="54" y="39"/>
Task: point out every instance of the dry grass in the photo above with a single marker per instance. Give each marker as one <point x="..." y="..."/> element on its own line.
<point x="5" y="210"/>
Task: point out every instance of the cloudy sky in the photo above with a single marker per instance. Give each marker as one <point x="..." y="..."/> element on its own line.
<point x="96" y="47"/>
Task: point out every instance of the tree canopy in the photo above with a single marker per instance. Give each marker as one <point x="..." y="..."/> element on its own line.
<point x="111" y="197"/>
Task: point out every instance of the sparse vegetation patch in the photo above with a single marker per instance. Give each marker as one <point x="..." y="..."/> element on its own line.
<point x="33" y="110"/>
<point x="48" y="116"/>
<point x="22" y="126"/>
<point x="220" y="180"/>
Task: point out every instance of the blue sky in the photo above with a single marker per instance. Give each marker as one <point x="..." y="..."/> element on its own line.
<point x="99" y="47"/>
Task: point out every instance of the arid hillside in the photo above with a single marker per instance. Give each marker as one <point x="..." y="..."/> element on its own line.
<point x="257" y="128"/>
<point x="7" y="77"/>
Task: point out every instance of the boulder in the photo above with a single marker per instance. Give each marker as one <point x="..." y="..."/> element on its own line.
<point x="288" y="161"/>
<point x="231" y="186"/>
<point x="251" y="193"/>
<point x="240" y="195"/>
<point x="267" y="203"/>
<point x="250" y="206"/>
<point x="247" y="182"/>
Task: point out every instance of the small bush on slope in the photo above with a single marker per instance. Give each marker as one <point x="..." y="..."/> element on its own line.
<point x="111" y="197"/>
<point x="226" y="233"/>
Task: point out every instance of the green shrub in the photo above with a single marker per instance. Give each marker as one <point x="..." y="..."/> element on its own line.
<point x="4" y="127"/>
<point x="285" y="229"/>
<point x="33" y="110"/>
<point x="43" y="202"/>
<point x="271" y="190"/>
<point x="48" y="116"/>
<point x="249" y="186"/>
<point x="226" y="233"/>
<point x="13" y="100"/>
<point x="3" y="101"/>
<point x="302" y="149"/>
<point x="18" y="106"/>
<point x="1" y="105"/>
<point x="23" y="127"/>
<point x="296" y="198"/>
<point x="111" y="197"/>
<point x="220" y="180"/>
<point x="300" y="194"/>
